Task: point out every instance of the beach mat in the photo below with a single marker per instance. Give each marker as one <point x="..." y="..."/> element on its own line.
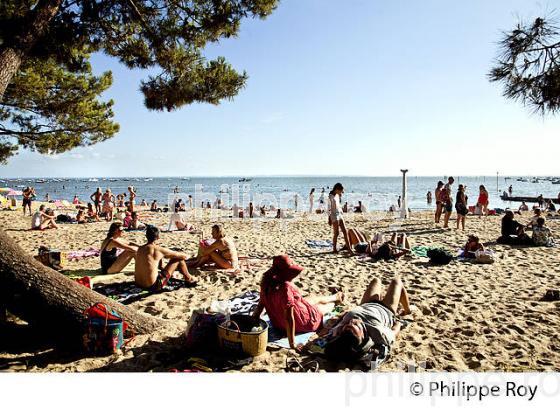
<point x="278" y="338"/>
<point x="128" y="292"/>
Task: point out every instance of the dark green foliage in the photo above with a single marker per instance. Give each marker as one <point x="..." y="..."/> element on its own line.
<point x="52" y="105"/>
<point x="529" y="65"/>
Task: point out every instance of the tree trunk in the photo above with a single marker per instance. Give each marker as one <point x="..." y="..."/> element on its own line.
<point x="40" y="295"/>
<point x="14" y="50"/>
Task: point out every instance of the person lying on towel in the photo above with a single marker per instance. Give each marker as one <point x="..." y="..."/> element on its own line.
<point x="286" y="307"/>
<point x="148" y="272"/>
<point x="370" y="324"/>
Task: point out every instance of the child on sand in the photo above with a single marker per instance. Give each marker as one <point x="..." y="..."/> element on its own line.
<point x="287" y="308"/>
<point x="542" y="235"/>
<point x="370" y="324"/>
<point x="148" y="273"/>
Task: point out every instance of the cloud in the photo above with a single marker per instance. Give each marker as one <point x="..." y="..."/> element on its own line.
<point x="272" y="118"/>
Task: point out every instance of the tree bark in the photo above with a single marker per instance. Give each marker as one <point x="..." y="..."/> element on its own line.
<point x="40" y="295"/>
<point x="14" y="49"/>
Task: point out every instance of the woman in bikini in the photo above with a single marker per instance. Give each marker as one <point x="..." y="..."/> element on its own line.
<point x="483" y="200"/>
<point x="222" y="252"/>
<point x="439" y="203"/>
<point x="110" y="262"/>
<point x="335" y="217"/>
<point x="108" y="204"/>
<point x="131" y="198"/>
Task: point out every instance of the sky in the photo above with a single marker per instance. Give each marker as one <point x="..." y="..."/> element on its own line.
<point x="359" y="87"/>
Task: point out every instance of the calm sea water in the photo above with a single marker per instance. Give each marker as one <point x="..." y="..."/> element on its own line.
<point x="377" y="192"/>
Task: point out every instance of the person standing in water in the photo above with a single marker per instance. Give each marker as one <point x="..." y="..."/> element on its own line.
<point x="311" y="200"/>
<point x="429" y="198"/>
<point x="322" y="200"/>
<point x="335" y="217"/>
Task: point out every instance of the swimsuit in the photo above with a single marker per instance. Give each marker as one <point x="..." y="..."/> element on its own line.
<point x="107" y="259"/>
<point x="161" y="281"/>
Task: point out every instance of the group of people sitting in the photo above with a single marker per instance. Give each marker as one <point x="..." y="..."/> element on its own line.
<point x="372" y="323"/>
<point x="149" y="271"/>
<point x="514" y="233"/>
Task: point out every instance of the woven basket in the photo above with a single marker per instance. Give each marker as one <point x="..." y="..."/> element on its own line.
<point x="237" y="341"/>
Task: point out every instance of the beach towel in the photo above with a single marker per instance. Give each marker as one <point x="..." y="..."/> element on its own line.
<point x="319" y="243"/>
<point x="128" y="292"/>
<point x="82" y="254"/>
<point x="278" y="338"/>
<point x="421" y="251"/>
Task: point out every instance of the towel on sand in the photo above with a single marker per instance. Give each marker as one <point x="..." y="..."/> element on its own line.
<point x="81" y="254"/>
<point x="319" y="243"/>
<point x="128" y="292"/>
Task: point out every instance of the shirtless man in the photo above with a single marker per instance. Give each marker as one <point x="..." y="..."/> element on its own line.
<point x="148" y="273"/>
<point x="222" y="252"/>
<point x="96" y="199"/>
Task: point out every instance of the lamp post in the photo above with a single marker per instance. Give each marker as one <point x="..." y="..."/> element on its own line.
<point x="404" y="199"/>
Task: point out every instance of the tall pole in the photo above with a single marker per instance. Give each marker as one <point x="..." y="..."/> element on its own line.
<point x="404" y="199"/>
<point x="497" y="184"/>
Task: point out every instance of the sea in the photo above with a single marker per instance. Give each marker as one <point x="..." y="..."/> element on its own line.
<point x="377" y="193"/>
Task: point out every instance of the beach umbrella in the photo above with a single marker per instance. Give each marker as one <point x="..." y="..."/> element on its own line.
<point x="5" y="189"/>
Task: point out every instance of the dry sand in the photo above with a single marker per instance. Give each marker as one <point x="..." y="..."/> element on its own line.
<point x="470" y="316"/>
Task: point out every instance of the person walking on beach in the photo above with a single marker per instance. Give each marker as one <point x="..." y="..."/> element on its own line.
<point x="461" y="206"/>
<point x="148" y="271"/>
<point x="335" y="217"/>
<point x="447" y="201"/>
<point x="311" y="200"/>
<point x="28" y="194"/>
<point x="482" y="201"/>
<point x="439" y="204"/>
<point x="96" y="199"/>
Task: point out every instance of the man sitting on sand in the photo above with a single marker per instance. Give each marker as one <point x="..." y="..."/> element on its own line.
<point x="222" y="251"/>
<point x="370" y="324"/>
<point x="148" y="273"/>
<point x="42" y="220"/>
<point x="513" y="233"/>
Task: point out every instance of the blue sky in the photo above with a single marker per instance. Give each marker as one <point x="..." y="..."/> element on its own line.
<point x="360" y="87"/>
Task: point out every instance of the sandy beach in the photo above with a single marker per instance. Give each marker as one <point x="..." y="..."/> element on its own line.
<point x="469" y="317"/>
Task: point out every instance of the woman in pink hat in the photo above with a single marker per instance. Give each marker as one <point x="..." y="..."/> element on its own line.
<point x="284" y="304"/>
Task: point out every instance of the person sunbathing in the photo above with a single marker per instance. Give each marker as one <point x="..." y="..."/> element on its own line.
<point x="134" y="223"/>
<point x="473" y="244"/>
<point x="360" y="244"/>
<point x="149" y="273"/>
<point x="176" y="221"/>
<point x="81" y="217"/>
<point x="287" y="309"/>
<point x="397" y="246"/>
<point x="41" y="220"/>
<point x="91" y="213"/>
<point x="110" y="262"/>
<point x="369" y="324"/>
<point x="222" y="251"/>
